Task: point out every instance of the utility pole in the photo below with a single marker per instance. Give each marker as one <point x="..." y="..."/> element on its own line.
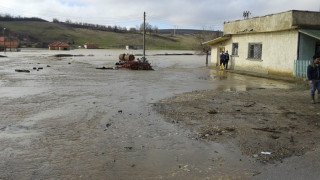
<point x="144" y="37"/>
<point x="4" y="41"/>
<point x="174" y="30"/>
<point x="10" y="41"/>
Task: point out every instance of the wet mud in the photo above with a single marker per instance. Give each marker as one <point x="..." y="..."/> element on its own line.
<point x="266" y="124"/>
<point x="68" y="120"/>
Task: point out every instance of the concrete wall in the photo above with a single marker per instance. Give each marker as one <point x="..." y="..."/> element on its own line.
<point x="274" y="22"/>
<point x="279" y="50"/>
<point x="305" y="19"/>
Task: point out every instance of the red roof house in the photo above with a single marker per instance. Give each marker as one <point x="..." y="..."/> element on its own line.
<point x="59" y="46"/>
<point x="9" y="43"/>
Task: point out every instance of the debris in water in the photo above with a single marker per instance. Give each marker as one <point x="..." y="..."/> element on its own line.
<point x="22" y="70"/>
<point x="212" y="112"/>
<point x="105" y="68"/>
<point x="127" y="61"/>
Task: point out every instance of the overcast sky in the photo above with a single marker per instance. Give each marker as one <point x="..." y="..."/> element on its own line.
<point x="179" y="14"/>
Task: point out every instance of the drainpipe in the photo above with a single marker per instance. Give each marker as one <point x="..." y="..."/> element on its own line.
<point x="298" y="48"/>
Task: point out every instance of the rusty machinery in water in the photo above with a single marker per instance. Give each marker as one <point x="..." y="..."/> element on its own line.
<point x="127" y="61"/>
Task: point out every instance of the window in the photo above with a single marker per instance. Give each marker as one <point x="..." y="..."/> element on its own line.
<point x="255" y="51"/>
<point x="317" y="53"/>
<point x="235" y="49"/>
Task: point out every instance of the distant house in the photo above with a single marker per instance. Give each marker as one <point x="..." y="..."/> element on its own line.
<point x="134" y="47"/>
<point x="91" y="45"/>
<point x="271" y="44"/>
<point x="61" y="46"/>
<point x="9" y="43"/>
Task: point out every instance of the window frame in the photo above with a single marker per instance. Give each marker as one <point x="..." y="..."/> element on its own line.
<point x="255" y="51"/>
<point x="235" y="53"/>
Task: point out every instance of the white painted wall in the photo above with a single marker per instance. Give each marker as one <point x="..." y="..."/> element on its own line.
<point x="279" y="50"/>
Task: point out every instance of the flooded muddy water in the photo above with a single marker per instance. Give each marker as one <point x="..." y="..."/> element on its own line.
<point x="68" y="120"/>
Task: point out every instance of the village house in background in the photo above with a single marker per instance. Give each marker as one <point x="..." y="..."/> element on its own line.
<point x="10" y="43"/>
<point x="133" y="47"/>
<point x="281" y="43"/>
<point x="61" y="46"/>
<point x="91" y="45"/>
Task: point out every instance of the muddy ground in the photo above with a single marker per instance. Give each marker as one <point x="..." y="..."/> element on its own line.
<point x="267" y="124"/>
<point x="62" y="118"/>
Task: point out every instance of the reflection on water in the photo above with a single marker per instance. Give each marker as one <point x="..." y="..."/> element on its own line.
<point x="109" y="57"/>
<point x="72" y="121"/>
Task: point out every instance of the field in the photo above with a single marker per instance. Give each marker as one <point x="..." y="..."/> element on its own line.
<point x="41" y="34"/>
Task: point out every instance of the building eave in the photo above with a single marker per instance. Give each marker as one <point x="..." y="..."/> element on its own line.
<point x="217" y="40"/>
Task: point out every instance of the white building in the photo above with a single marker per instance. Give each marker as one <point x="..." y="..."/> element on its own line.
<point x="269" y="44"/>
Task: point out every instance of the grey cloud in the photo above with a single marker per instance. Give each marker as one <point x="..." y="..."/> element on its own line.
<point x="181" y="13"/>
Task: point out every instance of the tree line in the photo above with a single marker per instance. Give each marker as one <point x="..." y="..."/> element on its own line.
<point x="8" y="17"/>
<point x="149" y="28"/>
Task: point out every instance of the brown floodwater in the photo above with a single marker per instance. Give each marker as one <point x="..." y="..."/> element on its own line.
<point x="68" y="120"/>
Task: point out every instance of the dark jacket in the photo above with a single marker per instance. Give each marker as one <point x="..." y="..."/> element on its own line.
<point x="313" y="72"/>
<point x="226" y="56"/>
<point x="222" y="57"/>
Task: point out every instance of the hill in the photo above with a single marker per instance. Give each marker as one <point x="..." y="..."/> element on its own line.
<point x="41" y="34"/>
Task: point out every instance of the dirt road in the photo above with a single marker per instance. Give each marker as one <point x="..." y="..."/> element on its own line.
<point x="280" y="122"/>
<point x="67" y="120"/>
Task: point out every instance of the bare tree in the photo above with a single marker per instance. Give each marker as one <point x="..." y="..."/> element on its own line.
<point x="148" y="28"/>
<point x="155" y="29"/>
<point x="204" y="36"/>
<point x="132" y="30"/>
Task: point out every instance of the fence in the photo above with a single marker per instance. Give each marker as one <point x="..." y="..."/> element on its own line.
<point x="300" y="68"/>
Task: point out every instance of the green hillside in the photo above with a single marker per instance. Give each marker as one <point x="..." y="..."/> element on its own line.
<point x="40" y="34"/>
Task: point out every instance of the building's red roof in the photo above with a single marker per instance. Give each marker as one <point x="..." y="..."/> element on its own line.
<point x="9" y="42"/>
<point x="59" y="44"/>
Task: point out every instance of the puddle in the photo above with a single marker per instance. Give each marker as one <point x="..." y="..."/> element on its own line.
<point x="93" y="124"/>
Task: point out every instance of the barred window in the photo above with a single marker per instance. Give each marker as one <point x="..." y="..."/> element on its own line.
<point x="255" y="51"/>
<point x="235" y="49"/>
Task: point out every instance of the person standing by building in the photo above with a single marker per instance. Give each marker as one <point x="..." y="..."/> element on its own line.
<point x="313" y="73"/>
<point x="222" y="58"/>
<point x="226" y="59"/>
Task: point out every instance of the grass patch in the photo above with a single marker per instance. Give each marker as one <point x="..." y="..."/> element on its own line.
<point x="44" y="33"/>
